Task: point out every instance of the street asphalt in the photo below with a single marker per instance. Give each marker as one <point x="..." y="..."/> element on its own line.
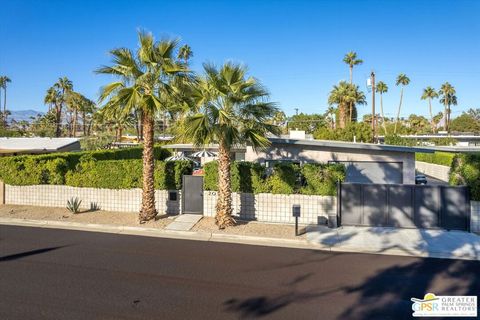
<point x="64" y="274"/>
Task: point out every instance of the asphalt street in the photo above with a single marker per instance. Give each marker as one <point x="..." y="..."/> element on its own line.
<point x="62" y="274"/>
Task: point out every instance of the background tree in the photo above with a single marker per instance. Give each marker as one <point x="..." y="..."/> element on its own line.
<point x="145" y="84"/>
<point x="402" y="80"/>
<point x="306" y="122"/>
<point x="229" y="109"/>
<point x="382" y="88"/>
<point x="63" y="87"/>
<point x="52" y="98"/>
<point x="340" y="96"/>
<point x="4" y="81"/>
<point x="355" y="97"/>
<point x="466" y="122"/>
<point x="352" y="60"/>
<point x="447" y="98"/>
<point x="185" y="53"/>
<point x="428" y="94"/>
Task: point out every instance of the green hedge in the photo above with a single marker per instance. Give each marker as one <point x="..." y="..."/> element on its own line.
<point x="322" y="178"/>
<point x="441" y="158"/>
<point x="286" y="178"/>
<point x="126" y="174"/>
<point x="465" y="170"/>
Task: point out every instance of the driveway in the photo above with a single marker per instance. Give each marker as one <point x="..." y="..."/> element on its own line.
<point x="412" y="242"/>
<point x="65" y="274"/>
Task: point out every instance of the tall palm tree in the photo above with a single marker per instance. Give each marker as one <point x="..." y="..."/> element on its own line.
<point x="53" y="99"/>
<point x="145" y="84"/>
<point x="229" y="109"/>
<point x="429" y="93"/>
<point x="4" y="81"/>
<point x="402" y="80"/>
<point x="448" y="98"/>
<point x="340" y="95"/>
<point x="351" y="59"/>
<point x="63" y="87"/>
<point x="382" y="88"/>
<point x="185" y="53"/>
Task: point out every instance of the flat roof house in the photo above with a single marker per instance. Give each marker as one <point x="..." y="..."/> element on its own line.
<point x="365" y="162"/>
<point x="15" y="146"/>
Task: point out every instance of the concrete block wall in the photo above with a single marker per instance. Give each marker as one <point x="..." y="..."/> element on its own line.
<point x="475" y="216"/>
<point x="126" y="200"/>
<point x="433" y="170"/>
<point x="275" y="208"/>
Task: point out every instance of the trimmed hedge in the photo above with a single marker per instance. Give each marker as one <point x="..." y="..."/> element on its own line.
<point x="52" y="168"/>
<point x="441" y="158"/>
<point x="322" y="178"/>
<point x="286" y="178"/>
<point x="465" y="170"/>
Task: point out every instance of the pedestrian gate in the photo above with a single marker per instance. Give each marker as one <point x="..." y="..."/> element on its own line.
<point x="192" y="194"/>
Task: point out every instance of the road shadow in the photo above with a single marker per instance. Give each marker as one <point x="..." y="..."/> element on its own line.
<point x="21" y="255"/>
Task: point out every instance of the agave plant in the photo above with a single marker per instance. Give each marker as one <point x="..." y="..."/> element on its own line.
<point x="73" y="205"/>
<point x="94" y="206"/>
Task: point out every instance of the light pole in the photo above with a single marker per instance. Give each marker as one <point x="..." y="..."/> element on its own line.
<point x="374" y="117"/>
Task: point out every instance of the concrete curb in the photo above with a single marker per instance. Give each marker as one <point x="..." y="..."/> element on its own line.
<point x="220" y="237"/>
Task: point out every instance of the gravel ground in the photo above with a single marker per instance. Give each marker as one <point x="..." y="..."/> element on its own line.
<point x="251" y="228"/>
<point x="62" y="214"/>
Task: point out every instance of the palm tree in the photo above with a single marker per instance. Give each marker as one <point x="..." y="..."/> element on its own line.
<point x="145" y="84"/>
<point x="63" y="87"/>
<point x="339" y="96"/>
<point x="428" y="94"/>
<point x="351" y="59"/>
<point x="330" y="115"/>
<point x="185" y="53"/>
<point x="448" y="98"/>
<point x="4" y="80"/>
<point x="53" y="99"/>
<point x="355" y="97"/>
<point x="382" y="88"/>
<point x="402" y="80"/>
<point x="230" y="109"/>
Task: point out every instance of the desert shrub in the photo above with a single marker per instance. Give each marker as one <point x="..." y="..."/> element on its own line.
<point x="321" y="179"/>
<point x="465" y="170"/>
<point x="441" y="158"/>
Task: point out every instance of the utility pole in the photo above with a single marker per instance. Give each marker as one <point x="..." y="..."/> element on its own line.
<point x="374" y="117"/>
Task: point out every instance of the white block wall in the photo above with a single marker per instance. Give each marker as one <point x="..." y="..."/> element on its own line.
<point x="433" y="170"/>
<point x="475" y="216"/>
<point x="125" y="200"/>
<point x="275" y="208"/>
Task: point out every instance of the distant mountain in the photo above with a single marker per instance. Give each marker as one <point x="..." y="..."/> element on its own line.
<point x="23" y="115"/>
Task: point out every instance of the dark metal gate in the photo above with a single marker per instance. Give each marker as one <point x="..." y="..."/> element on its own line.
<point x="404" y="206"/>
<point x="192" y="194"/>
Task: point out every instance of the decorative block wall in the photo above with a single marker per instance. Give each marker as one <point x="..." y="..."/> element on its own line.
<point x="126" y="200"/>
<point x="433" y="170"/>
<point x="475" y="216"/>
<point x="276" y="208"/>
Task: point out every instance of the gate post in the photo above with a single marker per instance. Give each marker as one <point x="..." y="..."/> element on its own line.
<point x="339" y="200"/>
<point x="2" y="192"/>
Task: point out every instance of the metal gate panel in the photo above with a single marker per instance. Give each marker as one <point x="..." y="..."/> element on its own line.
<point x="351" y="204"/>
<point x="192" y="194"/>
<point x="400" y="211"/>
<point x="455" y="214"/>
<point x="375" y="210"/>
<point x="427" y="207"/>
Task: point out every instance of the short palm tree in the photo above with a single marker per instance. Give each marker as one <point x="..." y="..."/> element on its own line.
<point x="352" y="60"/>
<point x="448" y="98"/>
<point x="382" y="88"/>
<point x="54" y="101"/>
<point x="145" y="84"/>
<point x="428" y="94"/>
<point x="229" y="109"/>
<point x="402" y="80"/>
<point x="4" y="81"/>
<point x="355" y="97"/>
<point x="344" y="95"/>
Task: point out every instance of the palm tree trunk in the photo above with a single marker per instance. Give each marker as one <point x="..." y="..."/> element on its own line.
<point x="351" y="74"/>
<point x="383" y="116"/>
<point x="148" y="211"/>
<point x="342" y="116"/>
<point x="58" y="119"/>
<point x="84" y="122"/>
<point x="75" y="119"/>
<point x="446" y="114"/>
<point x="398" y="111"/>
<point x="5" y="106"/>
<point x="431" y="115"/>
<point x="351" y="112"/>
<point x="224" y="217"/>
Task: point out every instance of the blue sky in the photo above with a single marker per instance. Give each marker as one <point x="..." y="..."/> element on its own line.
<point x="294" y="47"/>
